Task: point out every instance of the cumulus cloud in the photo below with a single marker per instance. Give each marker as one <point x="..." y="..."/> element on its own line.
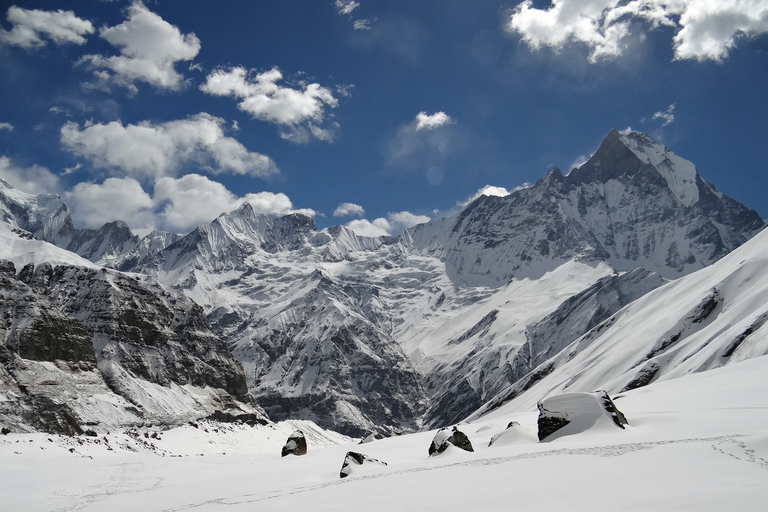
<point x="175" y="204"/>
<point x="35" y="179"/>
<point x="32" y="28"/>
<point x="668" y="115"/>
<point x="148" y="150"/>
<point x="149" y="47"/>
<point x="299" y="111"/>
<point x="348" y="209"/>
<point x="425" y="141"/>
<point x="393" y="224"/>
<point x="193" y="199"/>
<point x="6" y="126"/>
<point x="344" y="7"/>
<point x="704" y="29"/>
<point x="123" y="199"/>
<point x="430" y="122"/>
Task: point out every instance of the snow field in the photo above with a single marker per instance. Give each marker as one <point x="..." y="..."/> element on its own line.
<point x="699" y="442"/>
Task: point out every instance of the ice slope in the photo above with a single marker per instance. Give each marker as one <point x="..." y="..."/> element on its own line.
<point x="699" y="442"/>
<point x="712" y="318"/>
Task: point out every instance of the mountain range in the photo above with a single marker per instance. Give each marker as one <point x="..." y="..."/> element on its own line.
<point x="253" y="316"/>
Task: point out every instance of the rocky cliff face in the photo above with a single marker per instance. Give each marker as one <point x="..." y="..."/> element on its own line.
<point x="84" y="347"/>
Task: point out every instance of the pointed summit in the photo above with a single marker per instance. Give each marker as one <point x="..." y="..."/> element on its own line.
<point x="612" y="160"/>
<point x="631" y="154"/>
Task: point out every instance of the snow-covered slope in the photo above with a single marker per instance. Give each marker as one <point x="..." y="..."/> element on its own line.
<point x="699" y="442"/>
<point x="712" y="318"/>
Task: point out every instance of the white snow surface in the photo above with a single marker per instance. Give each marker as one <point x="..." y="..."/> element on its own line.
<point x="679" y="172"/>
<point x="666" y="330"/>
<point x="699" y="442"/>
<point x="14" y="246"/>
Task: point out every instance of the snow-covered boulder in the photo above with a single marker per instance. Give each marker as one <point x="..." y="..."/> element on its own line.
<point x="573" y="413"/>
<point x="296" y="444"/>
<point x="353" y="460"/>
<point x="371" y="438"/>
<point x="514" y="434"/>
<point x="449" y="436"/>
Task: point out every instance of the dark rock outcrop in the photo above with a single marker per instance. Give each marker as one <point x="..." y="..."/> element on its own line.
<point x="449" y="436"/>
<point x="353" y="459"/>
<point x="295" y="445"/>
<point x="578" y="411"/>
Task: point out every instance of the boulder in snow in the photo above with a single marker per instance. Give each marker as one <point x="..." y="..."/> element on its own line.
<point x="573" y="413"/>
<point x="514" y="434"/>
<point x="371" y="438"/>
<point x="296" y="444"/>
<point x="353" y="459"/>
<point x="449" y="436"/>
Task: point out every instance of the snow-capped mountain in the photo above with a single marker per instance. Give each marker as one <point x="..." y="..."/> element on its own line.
<point x="84" y="347"/>
<point x="395" y="333"/>
<point x="633" y="204"/>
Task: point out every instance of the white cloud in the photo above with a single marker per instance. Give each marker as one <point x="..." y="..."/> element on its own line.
<point x="578" y="162"/>
<point x="116" y="199"/>
<point x="298" y="111"/>
<point x="710" y="28"/>
<point x="6" y="126"/>
<point x="668" y="115"/>
<point x="30" y="27"/>
<point x="393" y="224"/>
<point x="425" y="141"/>
<point x="193" y="200"/>
<point x="364" y="227"/>
<point x="177" y="204"/>
<point x="149" y="47"/>
<point x="403" y="220"/>
<point x="153" y="150"/>
<point x="430" y="122"/>
<point x="488" y="190"/>
<point x="347" y="209"/>
<point x="362" y="25"/>
<point x="344" y="7"/>
<point x="35" y="179"/>
<point x="70" y="170"/>
<point x="705" y="29"/>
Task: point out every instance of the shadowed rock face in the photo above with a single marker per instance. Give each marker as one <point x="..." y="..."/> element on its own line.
<point x="101" y="331"/>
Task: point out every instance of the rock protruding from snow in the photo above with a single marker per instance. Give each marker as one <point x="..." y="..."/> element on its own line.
<point x="573" y="413"/>
<point x="514" y="434"/>
<point x="295" y="445"/>
<point x="353" y="460"/>
<point x="371" y="438"/>
<point x="449" y="436"/>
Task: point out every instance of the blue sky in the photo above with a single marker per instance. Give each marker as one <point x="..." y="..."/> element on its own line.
<point x="379" y="114"/>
